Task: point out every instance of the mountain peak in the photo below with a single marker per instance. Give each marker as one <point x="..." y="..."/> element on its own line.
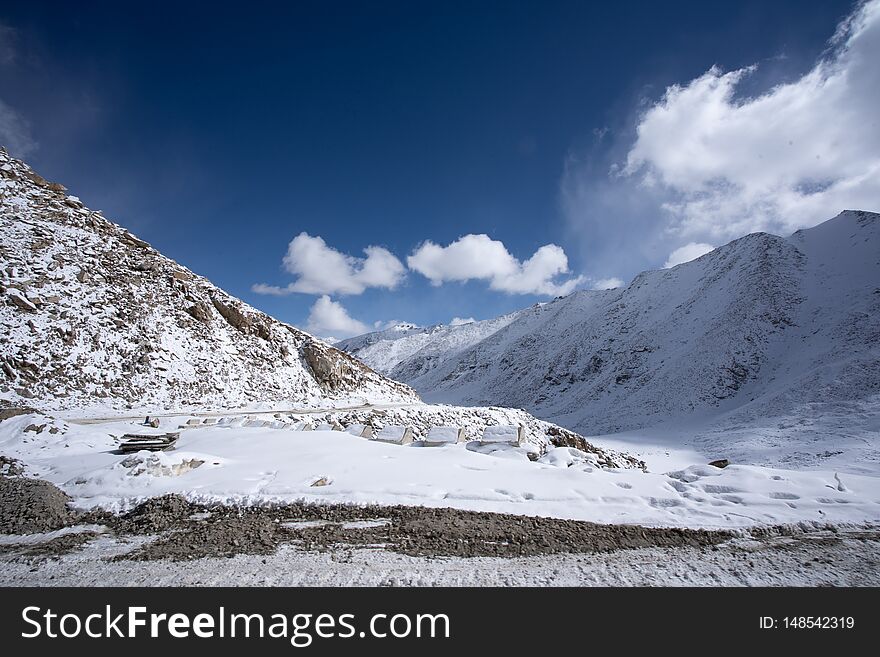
<point x="405" y="326"/>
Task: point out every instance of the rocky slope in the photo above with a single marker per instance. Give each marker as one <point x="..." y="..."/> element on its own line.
<point x="92" y="316"/>
<point x="763" y="327"/>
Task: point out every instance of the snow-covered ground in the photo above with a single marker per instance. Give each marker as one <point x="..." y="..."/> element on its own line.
<point x="254" y="465"/>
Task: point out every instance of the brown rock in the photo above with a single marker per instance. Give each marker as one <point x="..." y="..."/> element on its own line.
<point x="14" y="411"/>
<point x="263" y="331"/>
<point x="146" y="265"/>
<point x="20" y="300"/>
<point x="200" y="311"/>
<point x="36" y="178"/>
<point x="332" y="369"/>
<point x="234" y="317"/>
<point x="134" y="241"/>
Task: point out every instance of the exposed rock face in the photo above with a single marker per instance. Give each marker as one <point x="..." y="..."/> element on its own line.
<point x="93" y="316"/>
<point x="333" y="369"/>
<point x="231" y="314"/>
<point x="200" y="311"/>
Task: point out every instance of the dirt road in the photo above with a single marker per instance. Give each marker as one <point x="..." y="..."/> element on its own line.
<point x="227" y="412"/>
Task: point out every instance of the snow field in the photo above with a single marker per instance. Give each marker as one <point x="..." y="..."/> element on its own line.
<point x="260" y="465"/>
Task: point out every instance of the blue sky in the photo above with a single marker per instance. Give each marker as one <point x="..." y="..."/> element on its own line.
<point x="221" y="135"/>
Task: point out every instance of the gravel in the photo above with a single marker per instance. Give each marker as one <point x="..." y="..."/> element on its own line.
<point x="416" y="531"/>
<point x="186" y="531"/>
<point x="30" y="506"/>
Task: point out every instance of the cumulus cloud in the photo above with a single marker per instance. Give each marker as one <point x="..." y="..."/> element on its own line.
<point x="478" y="257"/>
<point x="272" y="290"/>
<point x="15" y="132"/>
<point x="786" y="159"/>
<point x="321" y="269"/>
<point x="607" y="283"/>
<point x="459" y="321"/>
<point x="686" y="253"/>
<point x="328" y="317"/>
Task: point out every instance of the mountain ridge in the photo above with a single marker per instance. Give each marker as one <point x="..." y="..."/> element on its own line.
<point x="94" y="316"/>
<point x="756" y="329"/>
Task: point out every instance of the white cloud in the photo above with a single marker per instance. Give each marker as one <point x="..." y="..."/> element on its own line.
<point x="321" y="269"/>
<point x="607" y="283"/>
<point x="272" y="290"/>
<point x="686" y="253"/>
<point x="459" y="321"/>
<point x="15" y="132"/>
<point x="792" y="157"/>
<point x="478" y="257"/>
<point x="328" y="317"/>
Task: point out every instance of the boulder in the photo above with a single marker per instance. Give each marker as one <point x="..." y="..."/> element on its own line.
<point x="147" y="266"/>
<point x="200" y="311"/>
<point x="233" y="316"/>
<point x="132" y="240"/>
<point x="19" y="300"/>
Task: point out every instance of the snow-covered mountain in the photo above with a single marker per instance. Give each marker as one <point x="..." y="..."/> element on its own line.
<point x="420" y="348"/>
<point x="782" y="332"/>
<point x="92" y="316"/>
